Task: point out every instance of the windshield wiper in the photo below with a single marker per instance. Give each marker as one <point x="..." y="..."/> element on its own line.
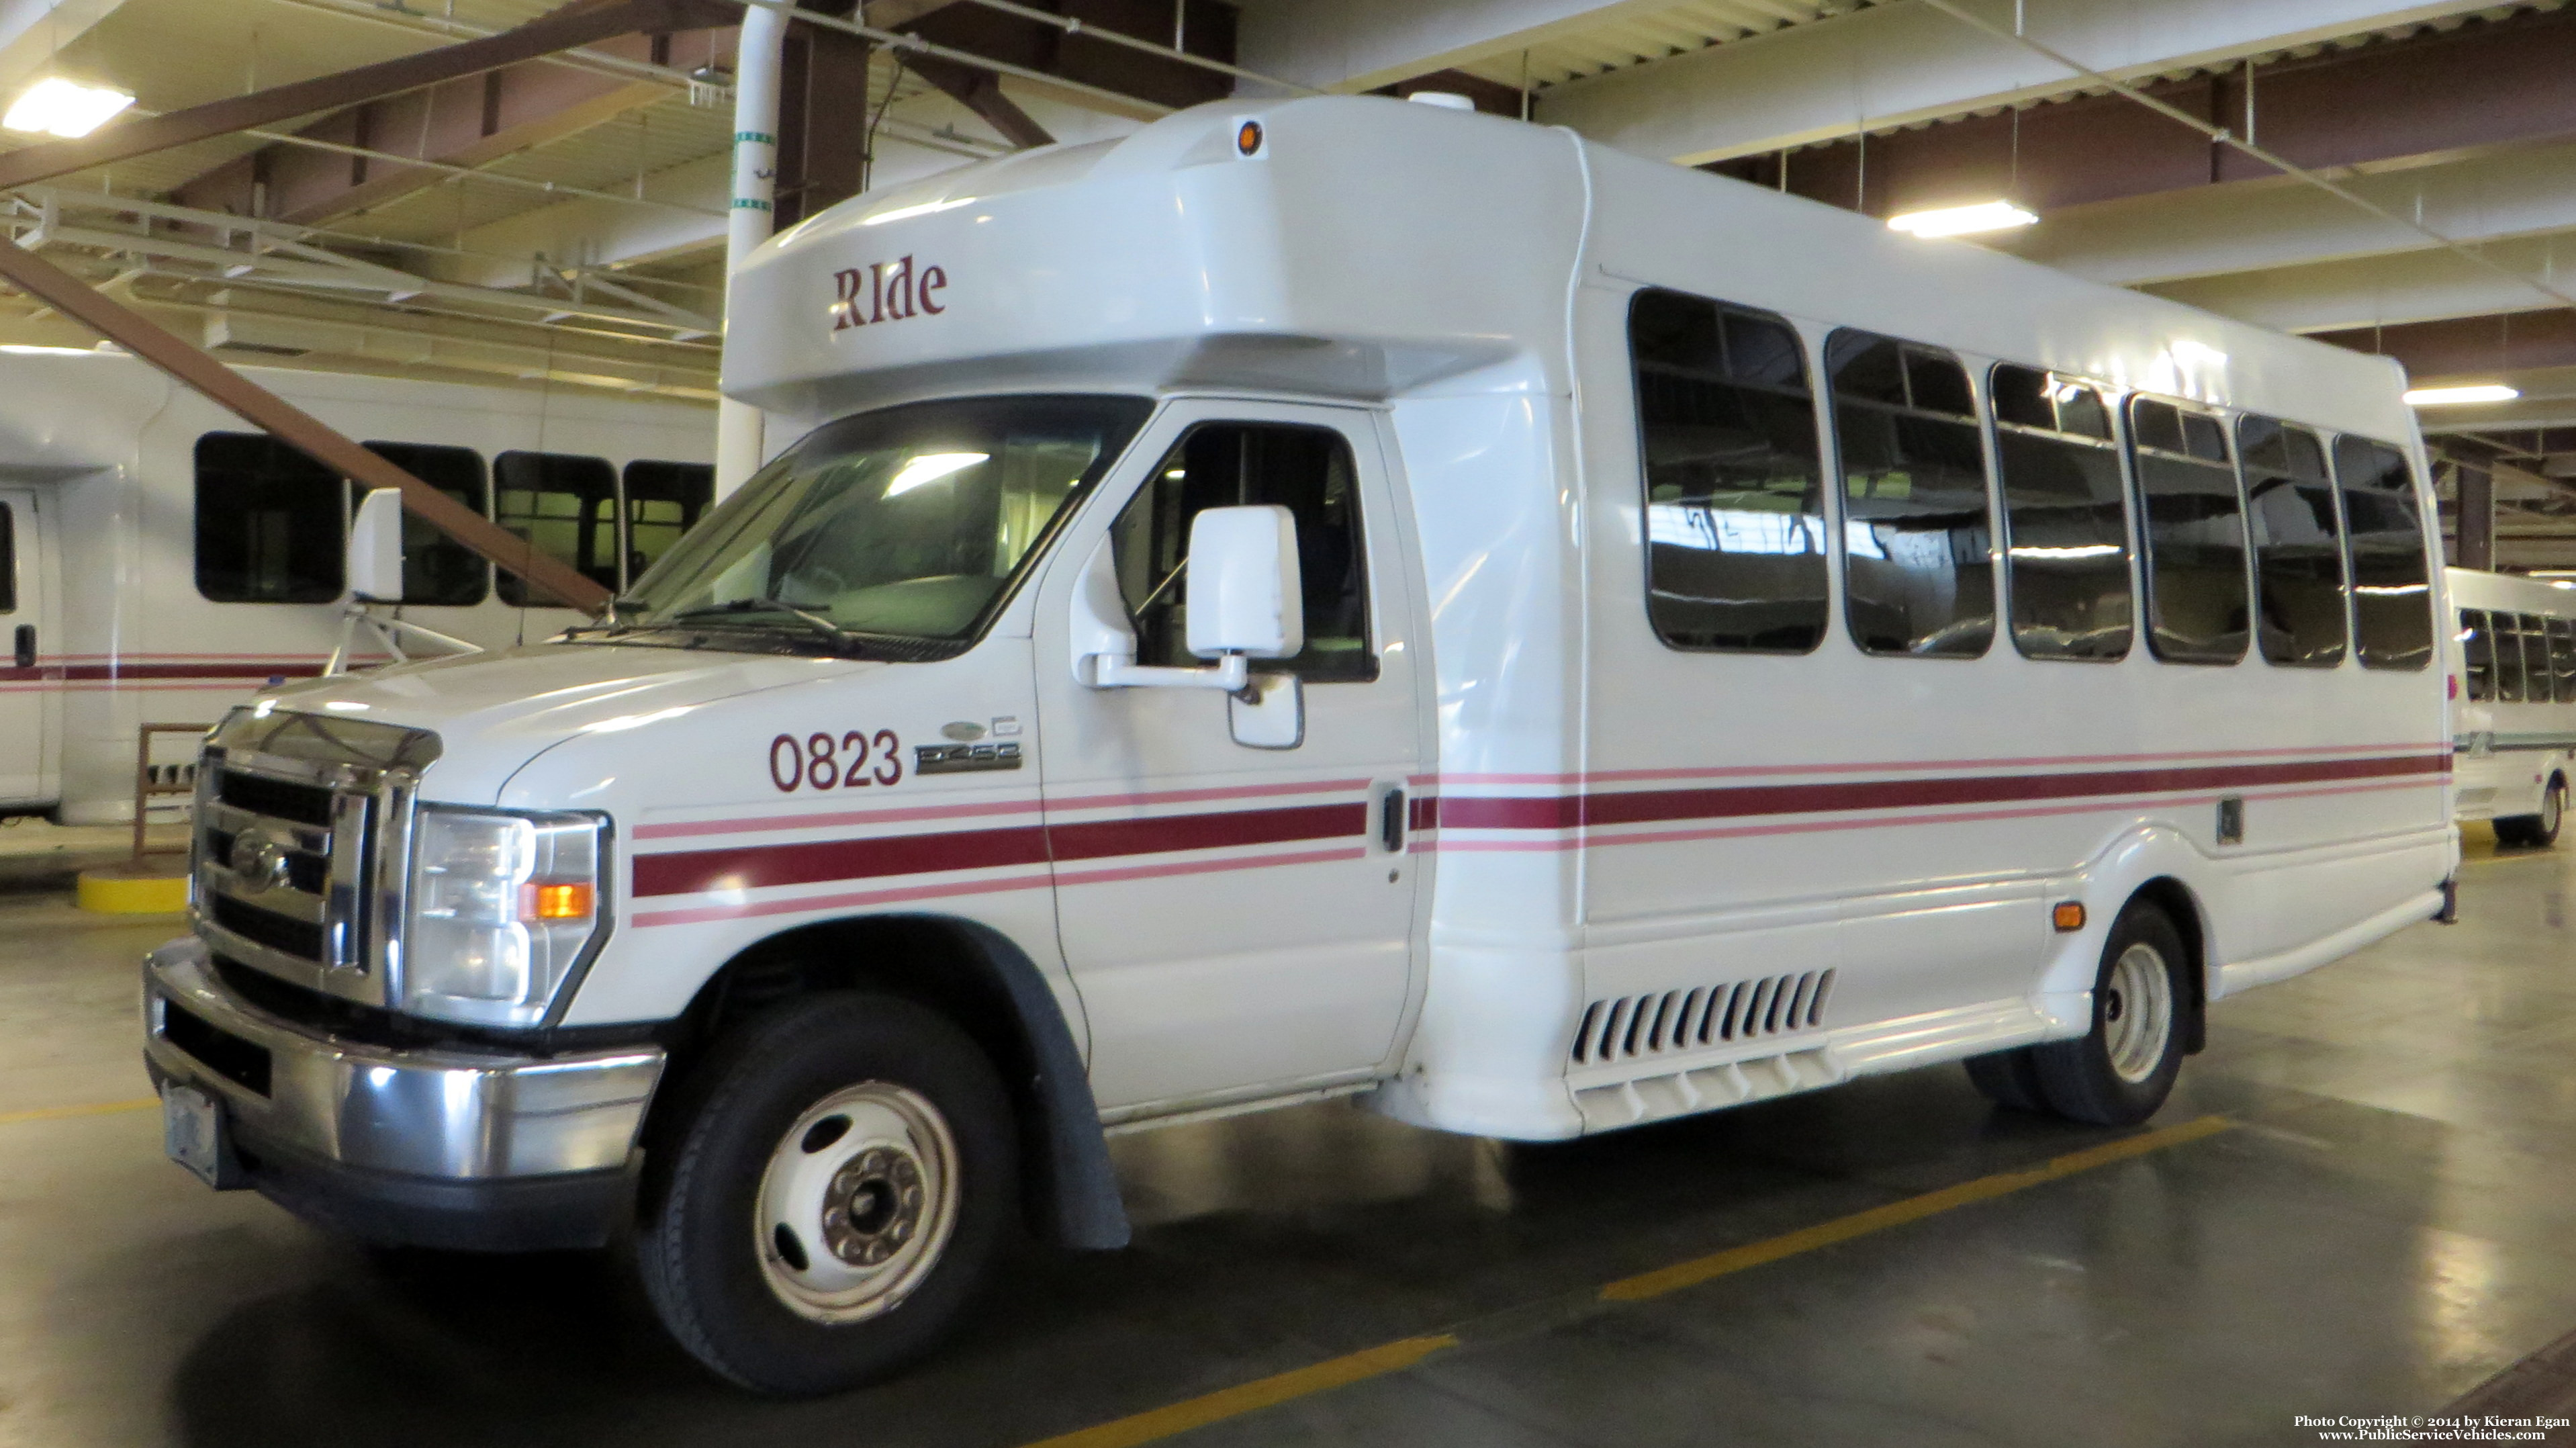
<point x="814" y="621"/>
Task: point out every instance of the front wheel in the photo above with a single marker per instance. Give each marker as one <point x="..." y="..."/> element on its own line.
<point x="827" y="1194"/>
<point x="2119" y="1072"/>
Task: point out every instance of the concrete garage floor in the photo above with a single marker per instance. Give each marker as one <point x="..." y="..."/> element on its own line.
<point x="2389" y="1220"/>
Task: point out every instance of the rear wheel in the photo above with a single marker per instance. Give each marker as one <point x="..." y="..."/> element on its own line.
<point x="827" y="1193"/>
<point x="2537" y="831"/>
<point x="2119" y="1072"/>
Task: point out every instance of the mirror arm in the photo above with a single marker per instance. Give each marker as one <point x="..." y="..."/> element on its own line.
<point x="1232" y="674"/>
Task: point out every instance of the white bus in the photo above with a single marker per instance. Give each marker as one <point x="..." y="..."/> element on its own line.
<point x="161" y="561"/>
<point x="2516" y="728"/>
<point x="1333" y="597"/>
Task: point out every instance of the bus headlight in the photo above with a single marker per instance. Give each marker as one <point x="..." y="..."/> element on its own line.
<point x="502" y="905"/>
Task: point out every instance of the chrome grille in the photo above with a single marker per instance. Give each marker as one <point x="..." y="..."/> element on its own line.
<point x="300" y="834"/>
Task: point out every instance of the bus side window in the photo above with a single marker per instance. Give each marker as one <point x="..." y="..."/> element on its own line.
<point x="8" y="559"/>
<point x="663" y="501"/>
<point x="2536" y="672"/>
<point x="269" y="522"/>
<point x="2477" y="654"/>
<point x="1735" y="512"/>
<point x="436" y="569"/>
<point x="2392" y="586"/>
<point x="2562" y="659"/>
<point x="2507" y="631"/>
<point x="2066" y="554"/>
<point x="2299" y="610"/>
<point x="2193" y="522"/>
<point x="1918" y="534"/>
<point x="567" y="506"/>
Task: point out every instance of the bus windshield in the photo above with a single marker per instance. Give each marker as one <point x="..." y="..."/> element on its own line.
<point x="910" y="522"/>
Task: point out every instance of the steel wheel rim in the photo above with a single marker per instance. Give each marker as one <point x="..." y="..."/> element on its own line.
<point x="857" y="1202"/>
<point x="2137" y="1012"/>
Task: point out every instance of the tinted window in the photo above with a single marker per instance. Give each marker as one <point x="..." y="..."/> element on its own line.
<point x="2562" y="659"/>
<point x="663" y="501"/>
<point x="1918" y="552"/>
<point x="2477" y="652"/>
<point x="437" y="569"/>
<point x="1735" y="528"/>
<point x="567" y="506"/>
<point x="2298" y="544"/>
<point x="2536" y="673"/>
<point x="2392" y="592"/>
<point x="8" y="559"/>
<point x="2066" y="556"/>
<point x="2506" y="629"/>
<point x="269" y="524"/>
<point x="1306" y="470"/>
<point x="2194" y="532"/>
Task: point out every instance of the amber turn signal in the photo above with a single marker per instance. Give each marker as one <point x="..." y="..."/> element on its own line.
<point x="2069" y="915"/>
<point x="1247" y="138"/>
<point x="556" y="902"/>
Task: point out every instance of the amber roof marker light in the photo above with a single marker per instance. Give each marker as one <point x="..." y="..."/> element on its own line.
<point x="1248" y="138"/>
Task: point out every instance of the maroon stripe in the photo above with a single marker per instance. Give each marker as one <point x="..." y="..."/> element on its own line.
<point x="1647" y="806"/>
<point x="753" y="867"/>
<point x="191" y="671"/>
<point x="1423" y="813"/>
<point x="1102" y="839"/>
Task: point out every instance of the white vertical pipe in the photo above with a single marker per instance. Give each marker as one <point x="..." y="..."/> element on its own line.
<point x="748" y="221"/>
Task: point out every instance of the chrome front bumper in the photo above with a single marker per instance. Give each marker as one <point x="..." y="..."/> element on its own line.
<point x="438" y="1117"/>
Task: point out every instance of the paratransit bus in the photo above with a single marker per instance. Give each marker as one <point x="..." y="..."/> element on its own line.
<point x="162" y="563"/>
<point x="2516" y="731"/>
<point x="1337" y="598"/>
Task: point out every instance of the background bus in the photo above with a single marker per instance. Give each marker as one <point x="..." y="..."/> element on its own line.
<point x="2517" y="718"/>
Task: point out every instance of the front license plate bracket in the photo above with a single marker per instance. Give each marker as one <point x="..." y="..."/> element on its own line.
<point x="196" y="1136"/>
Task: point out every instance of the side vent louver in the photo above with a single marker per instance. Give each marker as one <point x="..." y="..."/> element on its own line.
<point x="1627" y="1027"/>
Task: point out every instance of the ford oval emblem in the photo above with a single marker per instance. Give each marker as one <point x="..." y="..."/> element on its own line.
<point x="259" y="861"/>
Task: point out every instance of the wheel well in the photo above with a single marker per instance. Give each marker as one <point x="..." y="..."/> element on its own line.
<point x="2179" y="906"/>
<point x="984" y="984"/>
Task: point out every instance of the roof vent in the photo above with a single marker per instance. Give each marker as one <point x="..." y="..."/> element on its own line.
<point x="1445" y="100"/>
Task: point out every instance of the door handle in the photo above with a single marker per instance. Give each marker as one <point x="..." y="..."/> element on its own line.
<point x="1390" y="822"/>
<point x="26" y="646"/>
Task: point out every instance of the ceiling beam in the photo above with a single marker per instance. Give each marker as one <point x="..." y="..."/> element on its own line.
<point x="980" y="91"/>
<point x="2400" y="103"/>
<point x="1363" y="45"/>
<point x="2381" y="291"/>
<point x="2210" y="231"/>
<point x="1893" y="65"/>
<point x="581" y="23"/>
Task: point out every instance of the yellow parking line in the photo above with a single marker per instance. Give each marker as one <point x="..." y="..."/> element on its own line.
<point x="96" y="1108"/>
<point x="1156" y="1424"/>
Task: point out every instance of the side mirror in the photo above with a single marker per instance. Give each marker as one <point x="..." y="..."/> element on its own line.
<point x="375" y="548"/>
<point x="1243" y="583"/>
<point x="1244" y="604"/>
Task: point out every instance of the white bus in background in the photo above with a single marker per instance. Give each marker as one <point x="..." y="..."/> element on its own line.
<point x="1331" y="597"/>
<point x="161" y="560"/>
<point x="2516" y="724"/>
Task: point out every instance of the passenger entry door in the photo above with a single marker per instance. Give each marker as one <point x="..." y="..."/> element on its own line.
<point x="1237" y="919"/>
<point x="30" y="688"/>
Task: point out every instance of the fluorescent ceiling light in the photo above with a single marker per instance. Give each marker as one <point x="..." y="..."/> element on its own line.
<point x="1962" y="220"/>
<point x="2478" y="392"/>
<point x="930" y="468"/>
<point x="57" y="107"/>
<point x="24" y="349"/>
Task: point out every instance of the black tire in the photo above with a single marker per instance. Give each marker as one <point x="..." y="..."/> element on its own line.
<point x="2537" y="831"/>
<point x="2109" y="1076"/>
<point x="2007" y="1078"/>
<point x="722" y="1287"/>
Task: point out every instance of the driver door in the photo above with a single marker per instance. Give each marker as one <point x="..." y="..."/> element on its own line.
<point x="1239" y="920"/>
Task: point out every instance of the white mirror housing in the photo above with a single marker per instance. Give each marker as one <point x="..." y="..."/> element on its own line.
<point x="375" y="548"/>
<point x="1244" y="595"/>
